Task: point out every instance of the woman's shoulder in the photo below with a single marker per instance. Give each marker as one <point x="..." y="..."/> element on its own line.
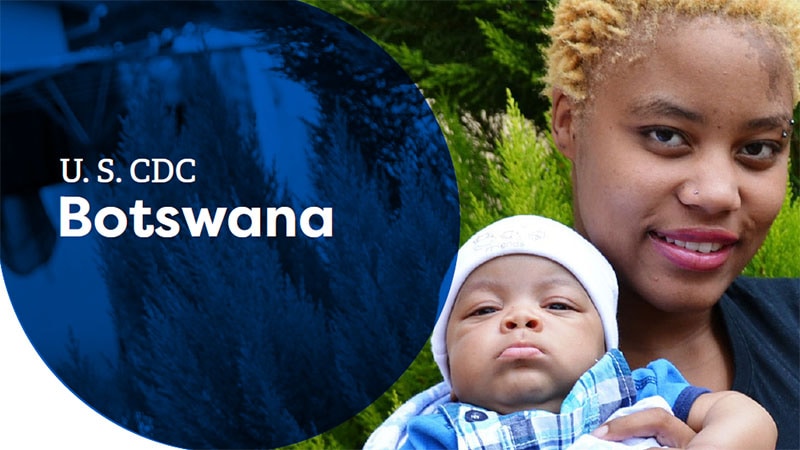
<point x="779" y="286"/>
<point x="761" y="316"/>
<point x="764" y="296"/>
<point x="763" y="313"/>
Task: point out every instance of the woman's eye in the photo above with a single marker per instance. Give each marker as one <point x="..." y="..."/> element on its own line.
<point x="760" y="150"/>
<point x="666" y="136"/>
<point x="759" y="155"/>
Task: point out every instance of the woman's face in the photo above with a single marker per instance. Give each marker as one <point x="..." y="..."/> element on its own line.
<point x="679" y="160"/>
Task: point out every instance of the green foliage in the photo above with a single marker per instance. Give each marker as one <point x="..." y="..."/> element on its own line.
<point x="794" y="156"/>
<point x="505" y="166"/>
<point x="465" y="51"/>
<point x="778" y="256"/>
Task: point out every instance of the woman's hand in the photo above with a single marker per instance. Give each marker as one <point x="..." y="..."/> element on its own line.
<point x="655" y="422"/>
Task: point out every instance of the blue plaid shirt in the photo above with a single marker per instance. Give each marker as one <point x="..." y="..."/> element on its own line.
<point x="603" y="389"/>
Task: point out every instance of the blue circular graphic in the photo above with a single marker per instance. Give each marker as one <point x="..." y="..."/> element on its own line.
<point x="223" y="224"/>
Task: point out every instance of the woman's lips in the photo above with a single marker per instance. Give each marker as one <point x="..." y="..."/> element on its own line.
<point x="694" y="249"/>
<point x="521" y="351"/>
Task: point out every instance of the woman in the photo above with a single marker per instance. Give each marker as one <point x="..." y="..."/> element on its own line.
<point x="677" y="120"/>
<point x="676" y="116"/>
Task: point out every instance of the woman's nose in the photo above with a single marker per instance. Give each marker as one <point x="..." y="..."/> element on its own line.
<point x="714" y="185"/>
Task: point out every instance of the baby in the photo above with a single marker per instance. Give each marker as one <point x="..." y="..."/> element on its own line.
<point x="527" y="341"/>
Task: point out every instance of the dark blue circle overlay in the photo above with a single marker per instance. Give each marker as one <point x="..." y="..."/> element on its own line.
<point x="223" y="224"/>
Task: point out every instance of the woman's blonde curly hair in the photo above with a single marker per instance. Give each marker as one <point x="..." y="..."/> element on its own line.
<point x="583" y="29"/>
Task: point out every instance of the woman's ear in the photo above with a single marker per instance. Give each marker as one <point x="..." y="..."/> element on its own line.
<point x="563" y="120"/>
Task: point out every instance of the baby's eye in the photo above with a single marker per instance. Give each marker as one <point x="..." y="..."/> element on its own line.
<point x="483" y="311"/>
<point x="666" y="136"/>
<point x="558" y="306"/>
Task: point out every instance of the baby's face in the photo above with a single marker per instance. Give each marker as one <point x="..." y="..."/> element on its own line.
<point x="521" y="333"/>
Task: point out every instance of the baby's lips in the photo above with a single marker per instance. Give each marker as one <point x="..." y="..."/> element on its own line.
<point x="521" y="351"/>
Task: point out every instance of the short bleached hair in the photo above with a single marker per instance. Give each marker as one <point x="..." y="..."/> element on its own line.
<point x="583" y="29"/>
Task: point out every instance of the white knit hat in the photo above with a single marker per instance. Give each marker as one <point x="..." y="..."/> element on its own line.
<point x="531" y="235"/>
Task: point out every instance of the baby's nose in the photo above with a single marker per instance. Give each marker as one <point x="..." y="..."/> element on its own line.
<point x="521" y="318"/>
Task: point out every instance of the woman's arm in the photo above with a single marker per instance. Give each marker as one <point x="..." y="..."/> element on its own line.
<point x="656" y="422"/>
<point x="719" y="420"/>
<point x="731" y="420"/>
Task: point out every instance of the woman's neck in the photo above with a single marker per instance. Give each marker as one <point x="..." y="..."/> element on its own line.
<point x="696" y="343"/>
